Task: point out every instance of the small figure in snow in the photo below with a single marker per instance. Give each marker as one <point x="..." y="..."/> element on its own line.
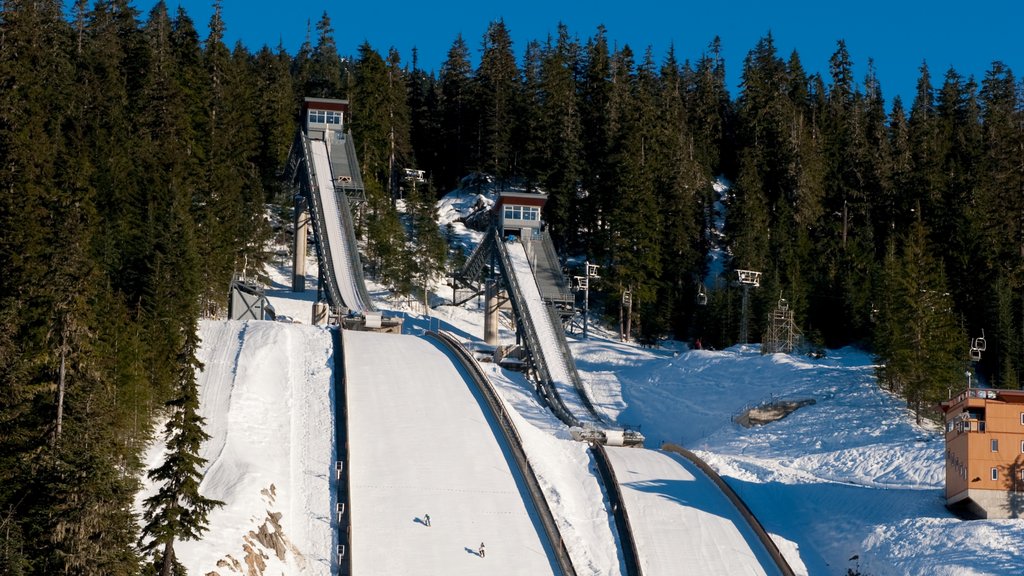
<point x="426" y="520"/>
<point x="481" y="551"/>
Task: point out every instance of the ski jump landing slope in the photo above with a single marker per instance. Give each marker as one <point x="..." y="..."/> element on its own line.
<point x="558" y="366"/>
<point x="421" y="442"/>
<point x="342" y="255"/>
<point x="682" y="523"/>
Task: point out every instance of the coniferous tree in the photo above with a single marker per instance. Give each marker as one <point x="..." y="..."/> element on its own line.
<point x="424" y="120"/>
<point x="918" y="334"/>
<point x="178" y="512"/>
<point x="276" y="117"/>
<point x="428" y="248"/>
<point x="683" y="188"/>
<point x="371" y="118"/>
<point x="456" y="115"/>
<point x="496" y="87"/>
<point x="595" y="99"/>
<point x="559" y="139"/>
<point x="324" y="80"/>
<point x="998" y="218"/>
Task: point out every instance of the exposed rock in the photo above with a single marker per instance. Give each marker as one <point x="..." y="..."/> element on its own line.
<point x="770" y="412"/>
<point x="257" y="543"/>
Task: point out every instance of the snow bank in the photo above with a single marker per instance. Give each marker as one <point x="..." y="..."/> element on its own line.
<point x="266" y="395"/>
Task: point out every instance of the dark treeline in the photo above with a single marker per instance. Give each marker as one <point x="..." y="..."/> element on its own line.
<point x="136" y="160"/>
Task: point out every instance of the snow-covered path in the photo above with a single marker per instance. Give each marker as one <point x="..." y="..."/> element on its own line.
<point x="341" y="261"/>
<point x="421" y="442"/>
<point x="682" y="523"/>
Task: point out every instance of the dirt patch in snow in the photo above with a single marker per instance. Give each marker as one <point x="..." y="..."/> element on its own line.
<point x="770" y="412"/>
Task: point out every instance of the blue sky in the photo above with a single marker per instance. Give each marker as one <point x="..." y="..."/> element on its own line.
<point x="897" y="34"/>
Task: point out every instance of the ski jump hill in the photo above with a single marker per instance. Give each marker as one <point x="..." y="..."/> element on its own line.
<point x="359" y="452"/>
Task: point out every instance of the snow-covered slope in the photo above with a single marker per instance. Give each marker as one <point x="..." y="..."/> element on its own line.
<point x="850" y="476"/>
<point x="682" y="523"/>
<point x="266" y="394"/>
<point x="422" y="442"/>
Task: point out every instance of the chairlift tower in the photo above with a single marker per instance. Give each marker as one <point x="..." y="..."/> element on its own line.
<point x="583" y="283"/>
<point x="747" y="279"/>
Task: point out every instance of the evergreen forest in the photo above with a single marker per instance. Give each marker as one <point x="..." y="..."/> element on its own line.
<point x="138" y="162"/>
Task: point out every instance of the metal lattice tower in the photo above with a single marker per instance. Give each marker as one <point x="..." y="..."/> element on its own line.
<point x="782" y="335"/>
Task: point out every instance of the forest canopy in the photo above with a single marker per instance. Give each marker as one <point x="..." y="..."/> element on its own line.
<point x="139" y="160"/>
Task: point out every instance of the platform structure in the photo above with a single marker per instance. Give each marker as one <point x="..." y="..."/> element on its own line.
<point x="518" y="256"/>
<point x="324" y="168"/>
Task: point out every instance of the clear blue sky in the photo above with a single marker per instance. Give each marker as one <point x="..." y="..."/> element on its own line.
<point x="897" y="34"/>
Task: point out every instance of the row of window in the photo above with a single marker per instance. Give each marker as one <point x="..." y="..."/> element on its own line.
<point x="514" y="212"/>
<point x="995" y="445"/>
<point x="324" y="117"/>
<point x="995" y="474"/>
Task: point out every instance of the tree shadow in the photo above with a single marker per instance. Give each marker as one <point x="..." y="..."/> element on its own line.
<point x="1015" y="488"/>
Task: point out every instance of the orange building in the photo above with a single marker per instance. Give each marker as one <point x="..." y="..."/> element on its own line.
<point x="985" y="453"/>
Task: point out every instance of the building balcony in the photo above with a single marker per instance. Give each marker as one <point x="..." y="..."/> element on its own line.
<point x="961" y="426"/>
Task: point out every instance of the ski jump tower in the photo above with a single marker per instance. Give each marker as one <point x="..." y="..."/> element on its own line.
<point x="323" y="164"/>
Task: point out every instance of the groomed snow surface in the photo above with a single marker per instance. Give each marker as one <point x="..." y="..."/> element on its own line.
<point x="682" y="523"/>
<point x="422" y="442"/>
<point x="341" y="261"/>
<point x="850" y="476"/>
<point x="558" y="368"/>
<point x="266" y="395"/>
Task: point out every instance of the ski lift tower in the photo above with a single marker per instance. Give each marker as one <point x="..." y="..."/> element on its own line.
<point x="583" y="283"/>
<point x="747" y="279"/>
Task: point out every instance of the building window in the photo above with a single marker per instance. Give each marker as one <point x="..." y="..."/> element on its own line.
<point x="333" y="117"/>
<point x="514" y="212"/>
<point x="995" y="445"/>
<point x="1022" y="446"/>
<point x="1022" y="418"/>
<point x="995" y="473"/>
<point x="317" y="116"/>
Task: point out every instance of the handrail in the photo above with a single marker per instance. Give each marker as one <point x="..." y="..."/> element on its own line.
<point x="515" y="444"/>
<point x="570" y="365"/>
<point x="341" y="423"/>
<point x="534" y="347"/>
<point x="476" y="261"/>
<point x="741" y="506"/>
<point x="630" y="554"/>
<point x="532" y="339"/>
<point x="349" y="226"/>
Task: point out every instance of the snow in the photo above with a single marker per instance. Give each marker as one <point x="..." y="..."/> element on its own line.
<point x="265" y="392"/>
<point x="849" y="476"/>
<point x="682" y="523"/>
<point x="558" y="368"/>
<point x="341" y="262"/>
<point x="422" y="443"/>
